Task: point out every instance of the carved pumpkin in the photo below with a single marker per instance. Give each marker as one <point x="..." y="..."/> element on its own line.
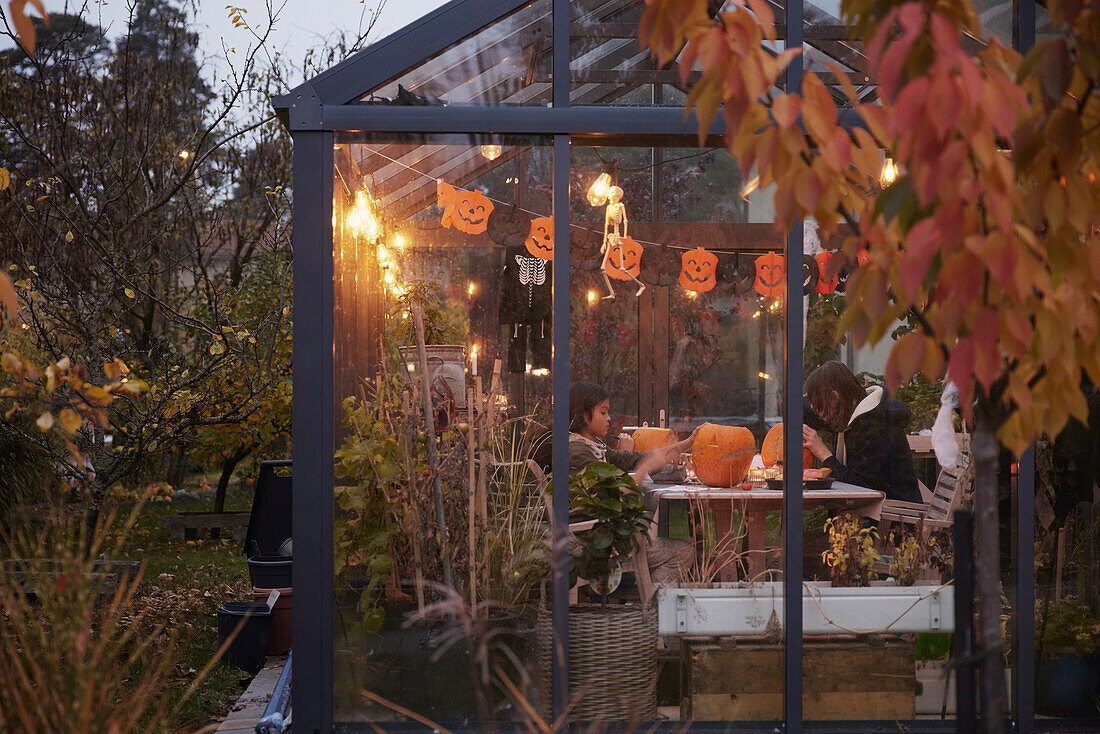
<point x="722" y="454"/>
<point x="540" y="241"/>
<point x="466" y="211"/>
<point x="632" y="259"/>
<point x="697" y="270"/>
<point x="647" y="439"/>
<point x="825" y="286"/>
<point x="769" y="274"/>
<point x="771" y="451"/>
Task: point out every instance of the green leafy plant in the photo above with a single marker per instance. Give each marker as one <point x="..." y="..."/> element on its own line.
<point x="609" y="496"/>
<point x="1069" y="623"/>
<point x="851" y="553"/>
<point x="372" y="463"/>
<point x="913" y="549"/>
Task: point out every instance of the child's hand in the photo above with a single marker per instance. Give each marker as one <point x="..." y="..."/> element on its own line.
<point x="626" y="443"/>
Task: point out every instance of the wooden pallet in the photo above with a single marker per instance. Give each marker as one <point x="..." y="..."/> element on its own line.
<point x="849" y="680"/>
<point x="187" y="525"/>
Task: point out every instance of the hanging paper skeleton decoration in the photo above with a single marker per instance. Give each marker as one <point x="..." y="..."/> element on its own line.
<point x="697" y="270"/>
<point x="540" y="238"/>
<point x="466" y="211"/>
<point x="769" y="274"/>
<point x="618" y="262"/>
<point x="526" y="307"/>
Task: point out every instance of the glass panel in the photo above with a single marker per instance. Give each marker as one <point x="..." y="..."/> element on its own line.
<point x="665" y="222"/>
<point x="1067" y="596"/>
<point x="506" y="63"/>
<point x="440" y="532"/>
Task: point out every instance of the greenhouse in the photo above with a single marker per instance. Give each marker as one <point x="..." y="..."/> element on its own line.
<point x="503" y="206"/>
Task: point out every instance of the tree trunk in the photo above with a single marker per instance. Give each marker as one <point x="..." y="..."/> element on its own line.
<point x="987" y="529"/>
<point x="228" y="466"/>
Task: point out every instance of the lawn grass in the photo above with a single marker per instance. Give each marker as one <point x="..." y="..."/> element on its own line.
<point x="183" y="584"/>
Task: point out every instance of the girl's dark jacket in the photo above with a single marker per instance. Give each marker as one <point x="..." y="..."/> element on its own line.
<point x="873" y="451"/>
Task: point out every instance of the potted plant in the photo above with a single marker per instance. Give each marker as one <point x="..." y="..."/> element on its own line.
<point x="445" y="327"/>
<point x="1069" y="668"/>
<point x="612" y="647"/>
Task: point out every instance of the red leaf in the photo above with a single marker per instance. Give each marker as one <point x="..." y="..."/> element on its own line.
<point x="960" y="367"/>
<point x="916" y="258"/>
<point x="785" y="109"/>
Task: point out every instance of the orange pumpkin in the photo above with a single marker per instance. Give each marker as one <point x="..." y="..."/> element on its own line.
<point x="697" y="270"/>
<point x="770" y="271"/>
<point x="647" y="439"/>
<point x="771" y="451"/>
<point x="722" y="454"/>
<point x="540" y="242"/>
<point x="632" y="259"/>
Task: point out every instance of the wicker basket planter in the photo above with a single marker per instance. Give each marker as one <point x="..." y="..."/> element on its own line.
<point x="612" y="662"/>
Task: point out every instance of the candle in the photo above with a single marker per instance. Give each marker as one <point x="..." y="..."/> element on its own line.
<point x="473" y="361"/>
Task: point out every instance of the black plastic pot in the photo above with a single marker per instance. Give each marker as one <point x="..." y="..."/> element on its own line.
<point x="1069" y="685"/>
<point x="248" y="650"/>
<point x="270" y="572"/>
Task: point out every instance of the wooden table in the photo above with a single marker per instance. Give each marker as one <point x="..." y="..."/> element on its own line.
<point x="753" y="503"/>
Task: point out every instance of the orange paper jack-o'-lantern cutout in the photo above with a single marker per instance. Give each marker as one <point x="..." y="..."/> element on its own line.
<point x="466" y="211"/>
<point x="697" y="270"/>
<point x="825" y="286"/>
<point x="631" y="259"/>
<point x="540" y="242"/>
<point x="769" y="274"/>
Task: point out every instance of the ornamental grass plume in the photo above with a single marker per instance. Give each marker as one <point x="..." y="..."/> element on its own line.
<point x="76" y="655"/>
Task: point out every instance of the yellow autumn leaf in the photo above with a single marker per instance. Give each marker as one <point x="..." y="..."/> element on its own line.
<point x="45" y="421"/>
<point x="129" y="293"/>
<point x="5" y="179"/>
<point x="97" y="395"/>
<point x="8" y="298"/>
<point x="286" y="310"/>
<point x="217" y="348"/>
<point x="69" y="236"/>
<point x="71" y="420"/>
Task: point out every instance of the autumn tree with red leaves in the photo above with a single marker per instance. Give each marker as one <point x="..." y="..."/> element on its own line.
<point x="987" y="241"/>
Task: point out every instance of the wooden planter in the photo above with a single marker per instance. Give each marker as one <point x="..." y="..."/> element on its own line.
<point x="745" y="609"/>
<point x="104" y="578"/>
<point x="612" y="662"/>
<point x="847" y="680"/>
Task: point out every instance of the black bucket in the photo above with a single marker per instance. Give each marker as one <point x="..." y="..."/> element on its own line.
<point x="270" y="572"/>
<point x="248" y="650"/>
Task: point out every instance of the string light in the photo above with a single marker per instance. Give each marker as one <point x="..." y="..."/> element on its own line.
<point x="889" y="173"/>
<point x="471" y="288"/>
<point x="185" y="154"/>
<point x="692" y="294"/>
<point x="398" y="241"/>
<point x="491" y="152"/>
<point x="756" y="315"/>
<point x="599" y="190"/>
<point x="362" y="220"/>
<point x="763" y="375"/>
<point x="591" y="297"/>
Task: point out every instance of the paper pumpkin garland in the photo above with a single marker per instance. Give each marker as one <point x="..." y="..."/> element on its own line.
<point x="631" y="253"/>
<point x="825" y="287"/>
<point x="508" y="226"/>
<point x="770" y="271"/>
<point x="466" y="211"/>
<point x="697" y="270"/>
<point x="540" y="239"/>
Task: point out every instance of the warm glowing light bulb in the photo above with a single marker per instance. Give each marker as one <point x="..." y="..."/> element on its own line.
<point x="362" y="220"/>
<point x="764" y="375"/>
<point x="471" y="288"/>
<point x="185" y="154"/>
<point x="399" y="242"/>
<point x="692" y="294"/>
<point x="492" y="152"/>
<point x="591" y="296"/>
<point x="889" y="173"/>
<point x="600" y="188"/>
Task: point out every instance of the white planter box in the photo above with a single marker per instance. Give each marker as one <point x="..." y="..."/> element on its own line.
<point x="744" y="609"/>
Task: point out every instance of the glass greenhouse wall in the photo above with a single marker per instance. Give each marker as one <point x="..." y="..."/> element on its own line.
<point x="501" y="201"/>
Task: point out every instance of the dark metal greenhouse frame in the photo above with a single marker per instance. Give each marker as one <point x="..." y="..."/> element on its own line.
<point x="325" y="105"/>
